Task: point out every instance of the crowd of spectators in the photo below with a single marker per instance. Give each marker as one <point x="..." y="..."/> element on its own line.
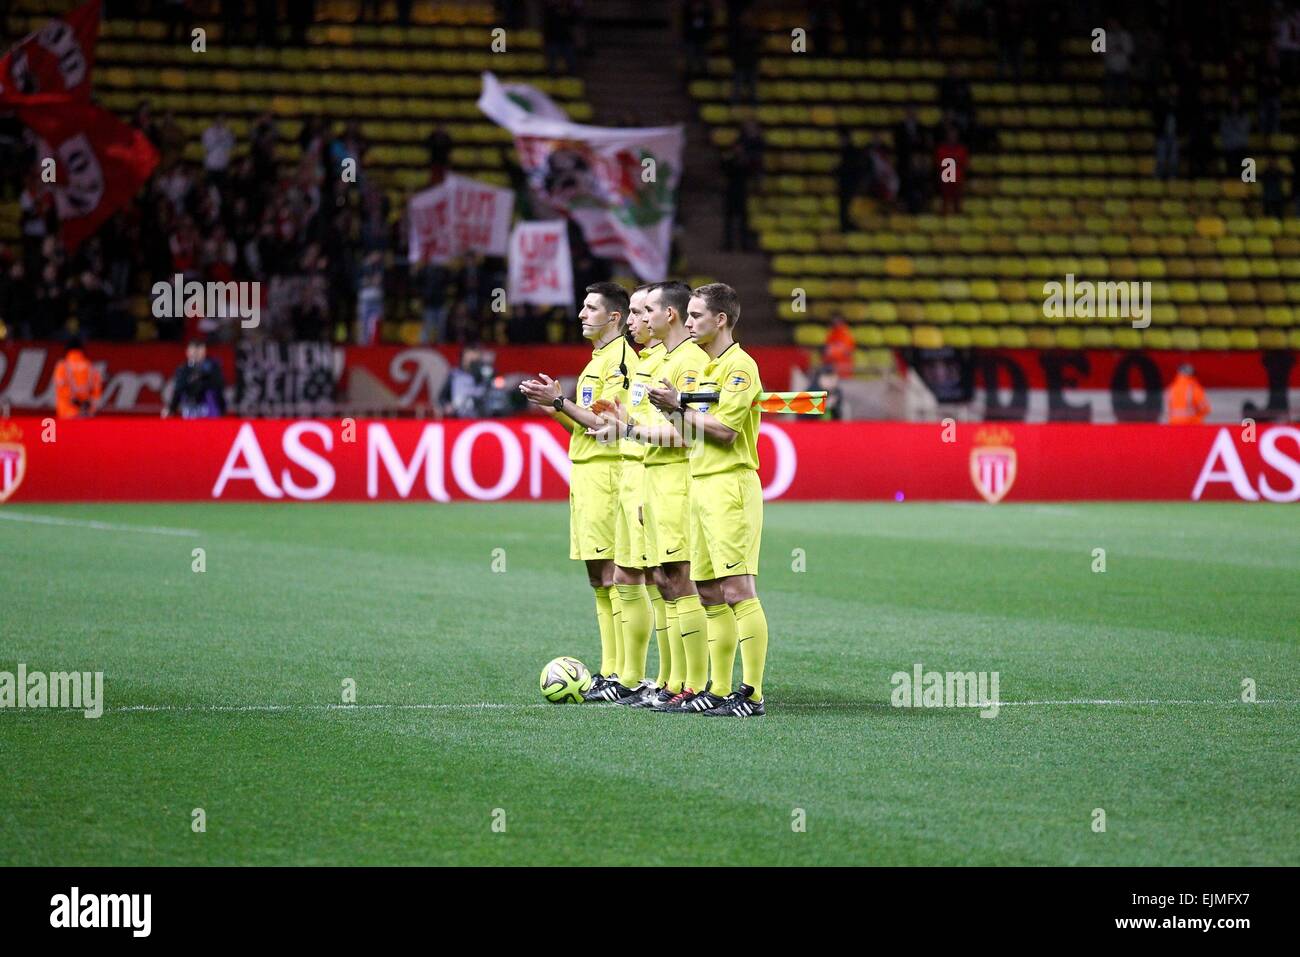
<point x="329" y="252"/>
<point x="330" y="255"/>
<point x="1156" y="62"/>
<point x="1196" y="133"/>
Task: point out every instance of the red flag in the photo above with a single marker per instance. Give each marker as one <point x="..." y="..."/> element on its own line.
<point x="99" y="163"/>
<point x="57" y="58"/>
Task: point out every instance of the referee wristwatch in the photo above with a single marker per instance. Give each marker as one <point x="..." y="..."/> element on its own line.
<point x="558" y="403"/>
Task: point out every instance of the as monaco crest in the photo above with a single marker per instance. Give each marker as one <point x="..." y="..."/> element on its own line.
<point x="993" y="463"/>
<point x="13" y="460"/>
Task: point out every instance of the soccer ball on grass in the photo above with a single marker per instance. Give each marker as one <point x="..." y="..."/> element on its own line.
<point x="564" y="680"/>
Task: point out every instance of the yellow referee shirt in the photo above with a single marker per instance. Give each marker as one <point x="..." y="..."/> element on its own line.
<point x="682" y="366"/>
<point x="734" y="375"/>
<point x="643" y="375"/>
<point x="600" y="379"/>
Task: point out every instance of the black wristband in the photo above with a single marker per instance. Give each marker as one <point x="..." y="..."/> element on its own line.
<point x="558" y="403"/>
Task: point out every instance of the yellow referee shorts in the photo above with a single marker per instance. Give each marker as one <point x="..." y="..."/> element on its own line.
<point x="667" y="512"/>
<point x="726" y="524"/>
<point x="593" y="501"/>
<point x="629" y="533"/>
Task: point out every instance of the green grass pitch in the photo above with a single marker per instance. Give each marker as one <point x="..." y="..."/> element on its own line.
<point x="450" y="726"/>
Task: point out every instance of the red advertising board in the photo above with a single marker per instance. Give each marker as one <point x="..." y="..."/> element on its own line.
<point x="141" y="459"/>
<point x="135" y="375"/>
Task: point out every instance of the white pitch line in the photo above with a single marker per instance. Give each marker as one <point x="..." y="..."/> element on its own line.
<point x="97" y="526"/>
<point x="493" y="705"/>
<point x="317" y="707"/>
<point x="1136" y="701"/>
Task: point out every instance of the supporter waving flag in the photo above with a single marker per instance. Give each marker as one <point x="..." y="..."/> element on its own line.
<point x="56" y="59"/>
<point x="99" y="163"/>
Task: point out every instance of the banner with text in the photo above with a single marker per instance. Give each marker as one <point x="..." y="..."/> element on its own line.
<point x="1116" y="385"/>
<point x="541" y="270"/>
<point x="458" y="216"/>
<point x="284" y="460"/>
<point x="386" y="379"/>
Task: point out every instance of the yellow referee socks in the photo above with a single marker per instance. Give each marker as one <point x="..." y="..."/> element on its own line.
<point x="659" y="609"/>
<point x="751" y="625"/>
<point x="634" y="605"/>
<point x="616" y="616"/>
<point x="678" y="660"/>
<point x="605" y="619"/>
<point x="695" y="641"/>
<point x="722" y="646"/>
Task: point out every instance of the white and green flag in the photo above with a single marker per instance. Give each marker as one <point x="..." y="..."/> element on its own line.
<point x="618" y="185"/>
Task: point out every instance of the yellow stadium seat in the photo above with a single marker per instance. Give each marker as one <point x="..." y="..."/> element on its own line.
<point x="1210" y="227"/>
<point x="1025" y="313"/>
<point x="1212" y="292"/>
<point x="868" y="336"/>
<point x="1126" y="337"/>
<point x="927" y="337"/>
<point x="995" y="313"/>
<point x="1018" y="291"/>
<point x="1237" y="269"/>
<point x="1070" y="337"/>
<point x="1265" y="268"/>
<point x="1242" y="292"/>
<point x="1271" y="292"/>
<point x="896" y="337"/>
<point x="1164" y="313"/>
<point x="1216" y="339"/>
<point x="938" y="312"/>
<point x="883" y="312"/>
<point x="1272" y="339"/>
<point x="911" y="312"/>
<point x="1154" y="338"/>
<point x="810" y="334"/>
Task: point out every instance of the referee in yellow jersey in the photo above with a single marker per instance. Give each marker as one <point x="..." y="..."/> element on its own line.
<point x="667" y="500"/>
<point x="640" y="605"/>
<point x="594" y="475"/>
<point x="726" y="501"/>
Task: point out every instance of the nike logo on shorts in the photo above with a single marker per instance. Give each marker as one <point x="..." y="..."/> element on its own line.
<point x="732" y="565"/>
